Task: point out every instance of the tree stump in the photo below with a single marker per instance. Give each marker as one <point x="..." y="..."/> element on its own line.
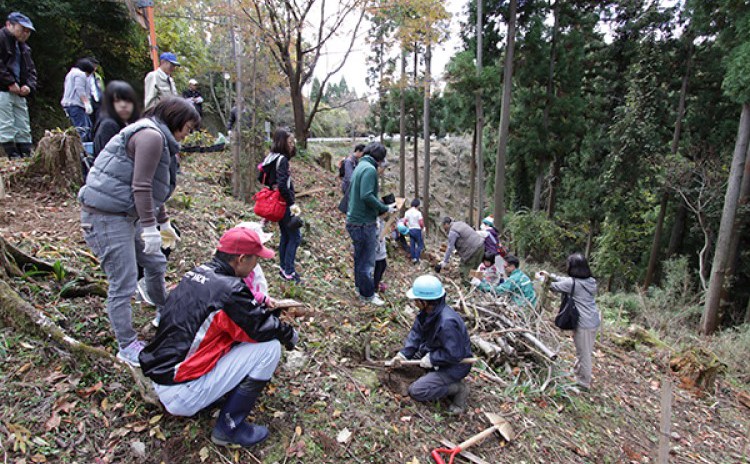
<point x="324" y="160"/>
<point x="56" y="163"/>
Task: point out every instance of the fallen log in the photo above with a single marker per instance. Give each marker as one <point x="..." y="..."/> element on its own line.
<point x="307" y="193"/>
<point x="488" y="348"/>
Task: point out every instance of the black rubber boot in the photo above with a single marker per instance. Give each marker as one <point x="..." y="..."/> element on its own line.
<point x="11" y="151"/>
<point x="25" y="149"/>
<point x="459" y="393"/>
<point x="231" y="428"/>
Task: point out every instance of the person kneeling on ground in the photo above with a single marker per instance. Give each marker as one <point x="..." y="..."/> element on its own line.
<point x="517" y="285"/>
<point x="214" y="339"/>
<point x="440" y="340"/>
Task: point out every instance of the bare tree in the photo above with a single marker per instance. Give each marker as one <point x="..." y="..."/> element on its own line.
<point x="284" y="24"/>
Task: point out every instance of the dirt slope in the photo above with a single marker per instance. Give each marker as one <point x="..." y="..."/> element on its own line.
<point x="56" y="409"/>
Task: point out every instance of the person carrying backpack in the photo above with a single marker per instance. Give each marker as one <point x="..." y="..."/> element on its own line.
<point x="346" y="169"/>
<point x="589" y="320"/>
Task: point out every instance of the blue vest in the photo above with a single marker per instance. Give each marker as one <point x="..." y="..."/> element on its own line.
<point x="109" y="182"/>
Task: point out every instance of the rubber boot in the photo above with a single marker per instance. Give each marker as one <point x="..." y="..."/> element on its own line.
<point x="25" y="149"/>
<point x="11" y="150"/>
<point x="459" y="393"/>
<point x="231" y="428"/>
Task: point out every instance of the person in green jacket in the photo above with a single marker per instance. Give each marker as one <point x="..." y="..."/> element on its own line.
<point x="361" y="219"/>
<point x="518" y="284"/>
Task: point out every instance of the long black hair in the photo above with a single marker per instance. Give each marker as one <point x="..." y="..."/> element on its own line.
<point x="281" y="143"/>
<point x="116" y="91"/>
<point x="578" y="267"/>
<point x="175" y="113"/>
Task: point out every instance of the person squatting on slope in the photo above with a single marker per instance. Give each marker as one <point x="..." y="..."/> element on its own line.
<point x="517" y="285"/>
<point x="216" y="339"/>
<point x="440" y="341"/>
<point x="123" y="212"/>
<point x="17" y="83"/>
<point x="361" y="220"/>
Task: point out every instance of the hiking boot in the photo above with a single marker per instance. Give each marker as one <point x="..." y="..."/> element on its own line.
<point x="25" y="149"/>
<point x="130" y="353"/>
<point x="143" y="292"/>
<point x="231" y="428"/>
<point x="459" y="393"/>
<point x="11" y="151"/>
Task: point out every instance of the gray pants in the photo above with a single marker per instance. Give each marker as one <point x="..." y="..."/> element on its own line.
<point x="14" y="119"/>
<point x="430" y="387"/>
<point x="255" y="360"/>
<point x="117" y="242"/>
<point x="584" y="341"/>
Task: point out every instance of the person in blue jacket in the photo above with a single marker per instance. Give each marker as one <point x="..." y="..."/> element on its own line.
<point x="440" y="341"/>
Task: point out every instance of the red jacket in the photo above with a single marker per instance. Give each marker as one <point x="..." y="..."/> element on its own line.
<point x="209" y="311"/>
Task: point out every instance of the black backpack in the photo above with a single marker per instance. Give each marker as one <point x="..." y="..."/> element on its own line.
<point x="342" y="168"/>
<point x="567" y="317"/>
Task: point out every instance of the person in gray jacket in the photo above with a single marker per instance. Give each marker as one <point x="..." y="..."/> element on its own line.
<point x="466" y="242"/>
<point x="123" y="213"/>
<point x="584" y="296"/>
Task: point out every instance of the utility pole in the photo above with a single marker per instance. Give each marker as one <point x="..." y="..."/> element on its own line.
<point x="426" y="132"/>
<point x="479" y="121"/>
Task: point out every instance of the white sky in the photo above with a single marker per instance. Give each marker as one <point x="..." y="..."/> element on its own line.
<point x="355" y="69"/>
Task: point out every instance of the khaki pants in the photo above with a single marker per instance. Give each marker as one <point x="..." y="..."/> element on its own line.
<point x="584" y="341"/>
<point x="472" y="263"/>
<point x="14" y="119"/>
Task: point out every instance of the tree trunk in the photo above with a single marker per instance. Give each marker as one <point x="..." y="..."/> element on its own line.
<point x="678" y="230"/>
<point x="250" y="169"/>
<point x="479" y="131"/>
<point x="709" y="320"/>
<point x="381" y="92"/>
<point x="298" y="107"/>
<point x="238" y="184"/>
<point x="472" y="178"/>
<point x="554" y="175"/>
<point x="416" y="128"/>
<point x="402" y="130"/>
<point x="656" y="243"/>
<point x="502" y="148"/>
<point x="222" y="116"/>
<point x="536" y="206"/>
<point x="426" y="130"/>
<point x="734" y="246"/>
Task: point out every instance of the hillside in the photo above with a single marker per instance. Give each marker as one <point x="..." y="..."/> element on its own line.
<point x="55" y="407"/>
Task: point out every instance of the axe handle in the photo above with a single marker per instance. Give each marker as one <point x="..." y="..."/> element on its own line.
<point x="478" y="437"/>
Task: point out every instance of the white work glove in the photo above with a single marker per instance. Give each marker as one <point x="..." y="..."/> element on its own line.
<point x="152" y="237"/>
<point x="392" y="208"/>
<point x="425" y="362"/>
<point x="295" y="210"/>
<point x="475" y="282"/>
<point x="169" y="237"/>
<point x="89" y="109"/>
<point x="396" y="360"/>
<point x="198" y="100"/>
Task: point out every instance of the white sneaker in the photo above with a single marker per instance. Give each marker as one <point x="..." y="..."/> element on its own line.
<point x="374" y="300"/>
<point x="155" y="321"/>
<point x="143" y="292"/>
<point x="130" y="353"/>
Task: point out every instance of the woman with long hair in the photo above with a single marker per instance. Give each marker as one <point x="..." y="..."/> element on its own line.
<point x="123" y="211"/>
<point x="580" y="284"/>
<point x="120" y="107"/>
<point x="275" y="173"/>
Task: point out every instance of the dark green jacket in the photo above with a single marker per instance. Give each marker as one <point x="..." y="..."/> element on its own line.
<point x="364" y="204"/>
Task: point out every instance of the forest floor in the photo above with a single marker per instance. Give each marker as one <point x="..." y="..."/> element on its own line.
<point x="333" y="406"/>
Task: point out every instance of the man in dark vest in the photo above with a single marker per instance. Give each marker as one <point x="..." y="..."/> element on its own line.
<point x="17" y="82"/>
<point x="466" y="241"/>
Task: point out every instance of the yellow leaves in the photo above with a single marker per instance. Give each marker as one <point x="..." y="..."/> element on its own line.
<point x="155" y="419"/>
<point x="156" y="432"/>
<point x="20" y="436"/>
<point x="203" y="454"/>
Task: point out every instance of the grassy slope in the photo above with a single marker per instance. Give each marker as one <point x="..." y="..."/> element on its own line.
<point x="99" y="416"/>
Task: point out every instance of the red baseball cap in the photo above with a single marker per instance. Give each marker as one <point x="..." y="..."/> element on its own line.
<point x="242" y="241"/>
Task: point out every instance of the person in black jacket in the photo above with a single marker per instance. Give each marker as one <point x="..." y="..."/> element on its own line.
<point x="17" y="83"/>
<point x="440" y="341"/>
<point x="275" y="173"/>
<point x="119" y="108"/>
<point x="215" y="339"/>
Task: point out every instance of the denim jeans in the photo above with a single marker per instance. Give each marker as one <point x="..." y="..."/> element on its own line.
<point x="365" y="240"/>
<point x="117" y="242"/>
<point x="288" y="244"/>
<point x="80" y="120"/>
<point x="255" y="360"/>
<point x="417" y="243"/>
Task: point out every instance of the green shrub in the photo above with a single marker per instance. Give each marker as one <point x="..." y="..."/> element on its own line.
<point x="539" y="239"/>
<point x="732" y="346"/>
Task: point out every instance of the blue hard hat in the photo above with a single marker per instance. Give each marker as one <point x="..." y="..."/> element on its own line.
<point x="402" y="229"/>
<point x="169" y="56"/>
<point x="426" y="287"/>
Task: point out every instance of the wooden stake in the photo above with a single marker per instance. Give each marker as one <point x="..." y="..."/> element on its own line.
<point x="666" y="420"/>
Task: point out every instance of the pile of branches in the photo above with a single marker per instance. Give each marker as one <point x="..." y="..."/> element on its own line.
<point x="515" y="339"/>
